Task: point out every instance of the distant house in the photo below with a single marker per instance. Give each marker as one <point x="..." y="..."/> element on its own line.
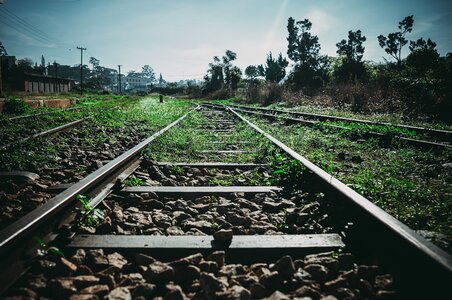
<point x="35" y="83"/>
<point x="135" y="84"/>
<point x="129" y="83"/>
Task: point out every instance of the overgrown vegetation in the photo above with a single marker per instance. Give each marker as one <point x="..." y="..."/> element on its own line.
<point x="411" y="184"/>
<point x="417" y="86"/>
<point x="130" y="116"/>
<point x="15" y="106"/>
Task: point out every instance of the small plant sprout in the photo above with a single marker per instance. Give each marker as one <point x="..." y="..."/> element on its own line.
<point x="133" y="181"/>
<point x="90" y="215"/>
<point x="176" y="170"/>
<point x="44" y="249"/>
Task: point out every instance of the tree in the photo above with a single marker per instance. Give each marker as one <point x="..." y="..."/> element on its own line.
<point x="252" y="72"/>
<point x="422" y="44"/>
<point x="275" y="69"/>
<point x="222" y="73"/>
<point x="423" y="56"/>
<point x="353" y="48"/>
<point x="94" y="61"/>
<point x="3" y="51"/>
<point x="25" y="65"/>
<point x="395" y="41"/>
<point x="228" y="57"/>
<point x="349" y="65"/>
<point x="235" y="74"/>
<point x="148" y="73"/>
<point x="304" y="50"/>
<point x="214" y="79"/>
<point x="161" y="80"/>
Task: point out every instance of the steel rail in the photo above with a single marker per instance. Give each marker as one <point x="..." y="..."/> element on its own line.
<point x="45" y="133"/>
<point x="15" y="236"/>
<point x="40" y="114"/>
<point x="438" y="132"/>
<point x="49" y="131"/>
<point x="440" y="260"/>
<point x="415" y="142"/>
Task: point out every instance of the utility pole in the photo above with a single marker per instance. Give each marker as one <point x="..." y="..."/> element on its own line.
<point x="57" y="84"/>
<point x="119" y="79"/>
<point x="1" y="81"/>
<point x="81" y="69"/>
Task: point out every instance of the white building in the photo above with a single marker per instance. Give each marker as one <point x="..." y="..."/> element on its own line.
<point x="129" y="83"/>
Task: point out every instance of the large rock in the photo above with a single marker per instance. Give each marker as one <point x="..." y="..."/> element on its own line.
<point x="159" y="272"/>
<point x="119" y="293"/>
<point x="223" y="236"/>
<point x="194" y="259"/>
<point x="318" y="272"/>
<point x="218" y="257"/>
<point x="285" y="267"/>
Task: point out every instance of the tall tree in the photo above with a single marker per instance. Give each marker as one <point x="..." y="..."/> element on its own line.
<point x="43" y="61"/>
<point x="222" y="73"/>
<point x="395" y="41"/>
<point x="349" y="65"/>
<point x="252" y="72"/>
<point x="423" y="57"/>
<point x="235" y="74"/>
<point x="148" y="72"/>
<point x="161" y="80"/>
<point x="228" y="57"/>
<point x="94" y="61"/>
<point x="275" y="69"/>
<point x="353" y="48"/>
<point x="304" y="50"/>
<point x="422" y="44"/>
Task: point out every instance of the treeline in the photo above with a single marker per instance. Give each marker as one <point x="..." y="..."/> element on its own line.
<point x="419" y="84"/>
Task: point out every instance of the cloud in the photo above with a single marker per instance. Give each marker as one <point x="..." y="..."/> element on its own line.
<point x="321" y="21"/>
<point x="276" y="26"/>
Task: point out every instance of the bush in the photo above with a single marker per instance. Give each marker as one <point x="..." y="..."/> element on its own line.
<point x="15" y="106"/>
<point x="221" y="94"/>
<point x="265" y="93"/>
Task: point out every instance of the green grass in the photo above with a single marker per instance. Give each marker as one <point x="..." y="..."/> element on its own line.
<point x="376" y="117"/>
<point x="131" y="116"/>
<point x="409" y="183"/>
<point x="184" y="143"/>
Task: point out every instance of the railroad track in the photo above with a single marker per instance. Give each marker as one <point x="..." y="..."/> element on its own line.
<point x="138" y="213"/>
<point x="310" y="119"/>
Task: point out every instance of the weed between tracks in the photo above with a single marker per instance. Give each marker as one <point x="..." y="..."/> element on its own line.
<point x="187" y="141"/>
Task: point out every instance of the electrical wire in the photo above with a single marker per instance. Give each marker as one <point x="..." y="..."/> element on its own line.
<point x="29" y="30"/>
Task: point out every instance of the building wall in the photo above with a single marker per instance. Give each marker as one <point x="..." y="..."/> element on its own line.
<point x="37" y="87"/>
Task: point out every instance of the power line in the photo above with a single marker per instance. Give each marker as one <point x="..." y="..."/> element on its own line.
<point x="29" y="28"/>
<point x="25" y="32"/>
<point x="18" y="21"/>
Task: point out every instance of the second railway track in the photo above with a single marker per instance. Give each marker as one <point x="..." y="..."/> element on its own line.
<point x="145" y="228"/>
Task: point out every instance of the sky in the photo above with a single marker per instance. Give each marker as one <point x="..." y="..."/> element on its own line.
<point x="178" y="38"/>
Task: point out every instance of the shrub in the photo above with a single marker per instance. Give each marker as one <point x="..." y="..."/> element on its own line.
<point x="265" y="93"/>
<point x="221" y="94"/>
<point x="15" y="106"/>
